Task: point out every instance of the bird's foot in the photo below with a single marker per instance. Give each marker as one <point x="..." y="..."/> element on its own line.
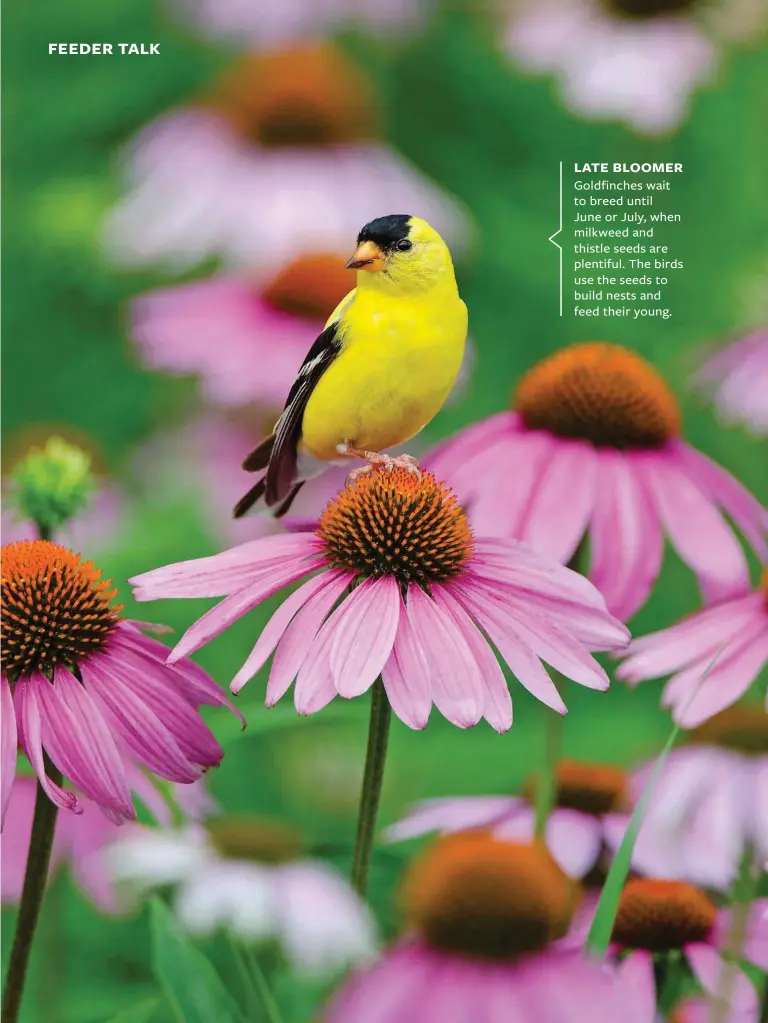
<point x="378" y="460"/>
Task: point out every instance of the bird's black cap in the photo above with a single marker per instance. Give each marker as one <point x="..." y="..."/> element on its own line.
<point x="386" y="232"/>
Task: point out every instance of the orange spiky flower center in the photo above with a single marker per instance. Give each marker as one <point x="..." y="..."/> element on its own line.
<point x="472" y="894"/>
<point x="641" y="9"/>
<point x="661" y="916"/>
<point x="393" y="523"/>
<point x="743" y="728"/>
<point x="601" y="393"/>
<point x="311" y="286"/>
<point x="254" y="839"/>
<point x="595" y="789"/>
<point x="56" y="609"/>
<point x="304" y="95"/>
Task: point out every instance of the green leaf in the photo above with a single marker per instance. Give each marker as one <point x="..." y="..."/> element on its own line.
<point x="141" y="1013"/>
<point x="599" y="935"/>
<point x="193" y="988"/>
<point x="262" y="720"/>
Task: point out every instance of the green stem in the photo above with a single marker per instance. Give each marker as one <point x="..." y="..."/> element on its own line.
<point x="764" y="1003"/>
<point x="743" y="892"/>
<point x="375" y="757"/>
<point x="546" y="786"/>
<point x="268" y="999"/>
<point x="38" y="859"/>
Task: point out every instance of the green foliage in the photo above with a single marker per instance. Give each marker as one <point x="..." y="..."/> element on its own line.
<point x="142" y="1013"/>
<point x="599" y="936"/>
<point x="194" y="990"/>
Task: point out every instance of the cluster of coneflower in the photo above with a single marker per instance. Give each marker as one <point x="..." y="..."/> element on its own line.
<point x="435" y="590"/>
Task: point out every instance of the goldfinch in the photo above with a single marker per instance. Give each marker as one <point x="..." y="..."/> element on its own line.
<point x="379" y="371"/>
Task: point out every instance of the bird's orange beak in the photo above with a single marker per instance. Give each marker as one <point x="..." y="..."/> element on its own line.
<point x="368" y="257"/>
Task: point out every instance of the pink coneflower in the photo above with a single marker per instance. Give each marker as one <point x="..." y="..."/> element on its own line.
<point x="713" y="655"/>
<point x="482" y="915"/>
<point x="740" y="372"/>
<point x="279" y="159"/>
<point x="585" y="795"/>
<point x="633" y="60"/>
<point x="79" y="838"/>
<point x="88" y="689"/>
<point x="593" y="446"/>
<point x="249" y="876"/>
<point x="246" y="23"/>
<point x="709" y="804"/>
<point x="246" y="343"/>
<point x="421" y="589"/>
<point x="657" y="917"/>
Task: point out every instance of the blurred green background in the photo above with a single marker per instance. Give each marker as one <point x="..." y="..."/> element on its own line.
<point x="458" y="109"/>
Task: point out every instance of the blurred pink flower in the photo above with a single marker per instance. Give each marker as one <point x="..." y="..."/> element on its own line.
<point x="482" y="917"/>
<point x="586" y="794"/>
<point x="593" y="446"/>
<point x="248" y="876"/>
<point x="740" y="372"/>
<point x="201" y="461"/>
<point x="278" y="161"/>
<point x="89" y="689"/>
<point x="714" y="656"/>
<point x="699" y="1010"/>
<point x="619" y="59"/>
<point x="654" y="916"/>
<point x="399" y="536"/>
<point x="245" y="343"/>
<point x="79" y="838"/>
<point x="709" y="804"/>
<point x="260" y="24"/>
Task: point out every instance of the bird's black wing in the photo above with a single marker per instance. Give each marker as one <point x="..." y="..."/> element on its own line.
<point x="281" y="471"/>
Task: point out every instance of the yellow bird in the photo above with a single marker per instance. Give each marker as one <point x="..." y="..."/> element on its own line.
<point x="380" y="370"/>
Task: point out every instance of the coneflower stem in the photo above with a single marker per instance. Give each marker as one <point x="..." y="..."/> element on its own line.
<point x="742" y="895"/>
<point x="546" y="785"/>
<point x="375" y="756"/>
<point x="35" y="877"/>
<point x="764" y="1003"/>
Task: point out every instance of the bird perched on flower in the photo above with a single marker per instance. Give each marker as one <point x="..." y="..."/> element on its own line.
<point x="379" y="371"/>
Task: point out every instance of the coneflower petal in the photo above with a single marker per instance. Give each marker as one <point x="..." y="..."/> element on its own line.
<point x="455" y="682"/>
<point x="81" y="745"/>
<point x="697" y="530"/>
<point x="364" y="630"/>
<point x="144" y="734"/>
<point x="31" y="740"/>
<point x="8" y="746"/>
<point x="300" y="635"/>
<point x="562" y="502"/>
<point x="497" y="705"/>
<point x="273" y="631"/>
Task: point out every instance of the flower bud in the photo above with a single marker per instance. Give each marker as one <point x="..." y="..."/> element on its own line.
<point x="50" y="485"/>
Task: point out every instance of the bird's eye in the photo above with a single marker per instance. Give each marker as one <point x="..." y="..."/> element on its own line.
<point x="404" y="245"/>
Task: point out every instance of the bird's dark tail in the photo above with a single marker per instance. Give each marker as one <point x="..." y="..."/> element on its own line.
<point x="255" y="494"/>
<point x="259" y="457"/>
<point x="256" y="462"/>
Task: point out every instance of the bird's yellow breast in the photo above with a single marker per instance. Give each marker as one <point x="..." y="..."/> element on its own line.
<point x="398" y="362"/>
